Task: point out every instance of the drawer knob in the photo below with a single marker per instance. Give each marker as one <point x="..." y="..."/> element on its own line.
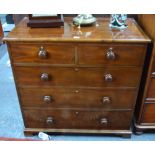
<point x="49" y="120"/>
<point x="42" y="53"/>
<point x="44" y="77"/>
<point x="47" y="99"/>
<point x="110" y="54"/>
<point x="106" y="100"/>
<point x="104" y="121"/>
<point x="108" y="77"/>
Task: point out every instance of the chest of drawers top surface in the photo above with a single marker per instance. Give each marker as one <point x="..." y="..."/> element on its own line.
<point x="69" y="33"/>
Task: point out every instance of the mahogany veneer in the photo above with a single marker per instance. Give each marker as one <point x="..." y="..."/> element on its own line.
<point x="77" y="81"/>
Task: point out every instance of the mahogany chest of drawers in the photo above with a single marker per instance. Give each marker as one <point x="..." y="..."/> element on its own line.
<point x="77" y="81"/>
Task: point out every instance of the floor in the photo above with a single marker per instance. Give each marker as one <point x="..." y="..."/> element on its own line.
<point x="11" y="122"/>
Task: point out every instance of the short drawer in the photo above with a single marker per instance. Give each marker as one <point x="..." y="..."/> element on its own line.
<point x="91" y="77"/>
<point x="111" y="54"/>
<point x="43" y="53"/>
<point x="77" y="98"/>
<point x="76" y="119"/>
<point x="149" y="113"/>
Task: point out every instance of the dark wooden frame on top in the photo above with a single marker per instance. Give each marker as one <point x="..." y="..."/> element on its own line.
<point x="45" y="21"/>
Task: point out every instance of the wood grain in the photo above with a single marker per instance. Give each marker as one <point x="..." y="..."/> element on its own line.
<point x="70" y="33"/>
<point x="79" y="77"/>
<point x="148" y="114"/>
<point x="151" y="90"/>
<point x="125" y="54"/>
<point x="78" y="98"/>
<point x="56" y="53"/>
<point x="77" y="119"/>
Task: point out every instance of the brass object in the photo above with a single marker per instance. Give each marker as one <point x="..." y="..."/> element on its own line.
<point x="76" y="69"/>
<point x="76" y="91"/>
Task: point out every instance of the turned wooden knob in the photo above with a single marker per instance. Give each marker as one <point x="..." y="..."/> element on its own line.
<point x="47" y="99"/>
<point x="108" y="77"/>
<point x="44" y="77"/>
<point x="110" y="54"/>
<point x="103" y="121"/>
<point x="49" y="120"/>
<point x="42" y="53"/>
<point x="106" y="100"/>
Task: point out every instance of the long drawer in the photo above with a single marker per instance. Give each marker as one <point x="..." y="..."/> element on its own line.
<point x="76" y="119"/>
<point x="111" y="54"/>
<point x="77" y="98"/>
<point x="43" y="53"/>
<point x="149" y="113"/>
<point x="91" y="77"/>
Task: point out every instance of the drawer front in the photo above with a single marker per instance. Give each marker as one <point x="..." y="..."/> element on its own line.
<point x="149" y="113"/>
<point x="77" y="119"/>
<point x="151" y="90"/>
<point x="92" y="77"/>
<point x="111" y="54"/>
<point x="43" y="53"/>
<point x="77" y="98"/>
